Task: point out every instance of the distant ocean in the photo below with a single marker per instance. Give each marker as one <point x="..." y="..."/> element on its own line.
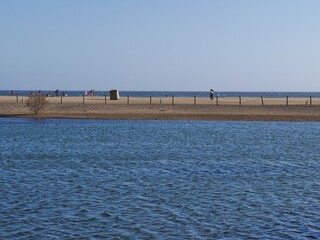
<point x="174" y="93"/>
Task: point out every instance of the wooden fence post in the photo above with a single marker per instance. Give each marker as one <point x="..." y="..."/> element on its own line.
<point x="287" y="101"/>
<point x="83" y="99"/>
<point x="61" y="99"/>
<point x="128" y="100"/>
<point x="217" y="101"/>
<point x="105" y="99"/>
<point x="172" y="100"/>
<point x="262" y="101"/>
<point x="239" y="100"/>
<point x="195" y="100"/>
<point x="150" y="100"/>
<point x="17" y="98"/>
<point x="310" y="101"/>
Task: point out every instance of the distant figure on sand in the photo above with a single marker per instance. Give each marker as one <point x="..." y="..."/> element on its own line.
<point x="211" y="94"/>
<point x="92" y="92"/>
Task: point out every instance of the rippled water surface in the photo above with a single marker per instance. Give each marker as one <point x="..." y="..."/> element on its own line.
<point x="92" y="179"/>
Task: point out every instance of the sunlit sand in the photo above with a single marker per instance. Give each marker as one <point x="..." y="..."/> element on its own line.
<point x="269" y="109"/>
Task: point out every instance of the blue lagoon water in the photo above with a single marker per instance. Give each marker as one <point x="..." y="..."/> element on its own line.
<point x="92" y="179"/>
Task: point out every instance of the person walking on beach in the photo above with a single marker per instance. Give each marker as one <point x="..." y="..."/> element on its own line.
<point x="211" y="94"/>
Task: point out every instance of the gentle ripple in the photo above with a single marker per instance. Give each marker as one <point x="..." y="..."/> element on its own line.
<point x="92" y="179"/>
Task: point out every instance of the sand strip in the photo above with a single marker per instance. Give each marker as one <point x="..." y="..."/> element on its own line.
<point x="234" y="109"/>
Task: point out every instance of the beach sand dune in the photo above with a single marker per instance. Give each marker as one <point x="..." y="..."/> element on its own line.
<point x="170" y="108"/>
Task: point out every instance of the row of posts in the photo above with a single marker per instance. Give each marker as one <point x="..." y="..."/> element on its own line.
<point x="217" y="100"/>
<point x="195" y="100"/>
<point x="240" y="100"/>
<point x="287" y="101"/>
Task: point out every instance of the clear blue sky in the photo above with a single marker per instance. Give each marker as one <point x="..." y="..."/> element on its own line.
<point x="187" y="45"/>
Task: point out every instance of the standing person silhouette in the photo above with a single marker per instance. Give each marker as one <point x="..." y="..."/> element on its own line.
<point x="211" y="94"/>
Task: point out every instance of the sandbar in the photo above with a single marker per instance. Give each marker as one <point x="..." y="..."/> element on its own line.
<point x="168" y="108"/>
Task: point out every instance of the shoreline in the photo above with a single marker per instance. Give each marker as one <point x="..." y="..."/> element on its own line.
<point x="159" y="109"/>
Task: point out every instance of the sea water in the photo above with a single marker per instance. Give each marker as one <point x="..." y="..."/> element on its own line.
<point x="201" y="94"/>
<point x="105" y="179"/>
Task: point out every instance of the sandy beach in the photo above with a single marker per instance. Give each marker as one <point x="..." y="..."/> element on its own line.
<point x="168" y="108"/>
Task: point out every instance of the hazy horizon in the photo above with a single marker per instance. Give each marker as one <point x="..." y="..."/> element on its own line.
<point x="138" y="90"/>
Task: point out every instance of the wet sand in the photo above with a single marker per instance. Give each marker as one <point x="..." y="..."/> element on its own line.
<point x="169" y="108"/>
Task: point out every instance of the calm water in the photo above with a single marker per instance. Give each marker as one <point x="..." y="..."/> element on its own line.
<point x="175" y="93"/>
<point x="92" y="179"/>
